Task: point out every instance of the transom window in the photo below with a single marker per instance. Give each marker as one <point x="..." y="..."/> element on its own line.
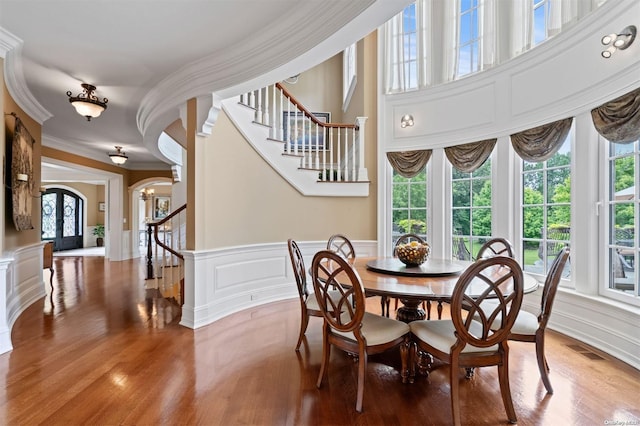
<point x="468" y="38"/>
<point x="471" y="210"/>
<point x="409" y="43"/>
<point x="409" y="209"/>
<point x="541" y="10"/>
<point x="546" y="209"/>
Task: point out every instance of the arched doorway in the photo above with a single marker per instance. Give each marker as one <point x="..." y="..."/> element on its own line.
<point x="62" y="219"/>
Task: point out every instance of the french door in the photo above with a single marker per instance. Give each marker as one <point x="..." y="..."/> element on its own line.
<point x="62" y="220"/>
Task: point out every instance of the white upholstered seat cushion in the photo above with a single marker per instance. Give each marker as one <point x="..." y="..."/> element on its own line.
<point x="312" y="300"/>
<point x="378" y="329"/>
<point x="440" y="335"/>
<point x="526" y="322"/>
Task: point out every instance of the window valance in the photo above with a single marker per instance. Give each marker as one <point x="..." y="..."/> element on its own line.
<point x="409" y="163"/>
<point x="619" y="120"/>
<point x="542" y="142"/>
<point x="469" y="156"/>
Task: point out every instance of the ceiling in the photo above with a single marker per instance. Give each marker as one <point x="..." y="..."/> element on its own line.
<point x="148" y="57"/>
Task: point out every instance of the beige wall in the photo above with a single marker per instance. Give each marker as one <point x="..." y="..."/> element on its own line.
<point x="2" y="150"/>
<point x="320" y="88"/>
<point x="13" y="238"/>
<point x="247" y="202"/>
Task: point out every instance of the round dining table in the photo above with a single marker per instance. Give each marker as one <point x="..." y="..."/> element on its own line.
<point x="432" y="281"/>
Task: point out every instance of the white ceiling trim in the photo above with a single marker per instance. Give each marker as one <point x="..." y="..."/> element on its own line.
<point x="11" y="49"/>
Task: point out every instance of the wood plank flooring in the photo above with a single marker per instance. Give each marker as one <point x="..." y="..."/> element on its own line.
<point x="102" y="350"/>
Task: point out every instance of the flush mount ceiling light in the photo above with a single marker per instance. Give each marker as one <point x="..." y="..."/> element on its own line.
<point x="86" y="103"/>
<point x="618" y="41"/>
<point x="406" y="121"/>
<point x="118" y="157"/>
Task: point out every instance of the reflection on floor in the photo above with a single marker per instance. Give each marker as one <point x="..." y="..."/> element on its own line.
<point x="88" y="251"/>
<point x="79" y="280"/>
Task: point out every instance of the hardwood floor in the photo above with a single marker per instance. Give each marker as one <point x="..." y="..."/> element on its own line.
<point x="102" y="350"/>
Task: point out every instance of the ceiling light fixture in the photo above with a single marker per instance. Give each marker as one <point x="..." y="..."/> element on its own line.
<point x="618" y="41"/>
<point x="118" y="157"/>
<point x="86" y="103"/>
<point x="406" y="121"/>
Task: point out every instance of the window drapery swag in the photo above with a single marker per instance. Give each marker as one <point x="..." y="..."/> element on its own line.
<point x="619" y="120"/>
<point x="409" y="163"/>
<point x="469" y="157"/>
<point x="542" y="142"/>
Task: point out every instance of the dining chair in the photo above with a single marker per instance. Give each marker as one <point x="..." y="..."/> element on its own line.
<point x="495" y="247"/>
<point x="342" y="245"/>
<point x="466" y="342"/>
<point x="426" y="305"/>
<point x="308" y="303"/>
<point x="530" y="327"/>
<point x="347" y="325"/>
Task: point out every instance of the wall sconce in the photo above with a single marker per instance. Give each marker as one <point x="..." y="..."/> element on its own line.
<point x="86" y="103"/>
<point x="406" y="121"/>
<point x="146" y="194"/>
<point x="118" y="157"/>
<point x="293" y="79"/>
<point x="618" y="41"/>
<point x="21" y="177"/>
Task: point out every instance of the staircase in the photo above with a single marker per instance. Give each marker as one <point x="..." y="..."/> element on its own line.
<point x="317" y="158"/>
<point x="165" y="265"/>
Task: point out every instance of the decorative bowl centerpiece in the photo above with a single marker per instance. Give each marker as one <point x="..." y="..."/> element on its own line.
<point x="413" y="253"/>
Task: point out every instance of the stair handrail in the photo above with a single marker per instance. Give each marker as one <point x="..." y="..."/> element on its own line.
<point x="162" y="222"/>
<point x="309" y="114"/>
<point x="154" y="226"/>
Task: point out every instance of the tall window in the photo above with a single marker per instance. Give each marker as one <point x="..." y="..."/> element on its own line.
<point x="409" y="43"/>
<point x="623" y="214"/>
<point x="471" y="210"/>
<point x="546" y="209"/>
<point x="349" y="64"/>
<point x="541" y="10"/>
<point x="409" y="208"/>
<point x="468" y="38"/>
<point x="401" y="51"/>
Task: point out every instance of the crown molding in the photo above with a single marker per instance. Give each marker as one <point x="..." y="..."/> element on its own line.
<point x="11" y="50"/>
<point x="233" y="67"/>
<point x="7" y="42"/>
<point x="94" y="154"/>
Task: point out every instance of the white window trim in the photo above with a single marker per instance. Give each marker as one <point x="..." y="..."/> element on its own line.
<point x="349" y="74"/>
<point x="603" y="223"/>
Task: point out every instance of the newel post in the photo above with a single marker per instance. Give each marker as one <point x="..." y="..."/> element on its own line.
<point x="362" y="170"/>
<point x="149" y="252"/>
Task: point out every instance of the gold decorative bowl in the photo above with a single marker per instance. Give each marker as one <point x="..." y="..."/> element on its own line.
<point x="413" y="253"/>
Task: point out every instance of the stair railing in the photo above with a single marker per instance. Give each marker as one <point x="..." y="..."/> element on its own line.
<point x="335" y="150"/>
<point x="165" y="264"/>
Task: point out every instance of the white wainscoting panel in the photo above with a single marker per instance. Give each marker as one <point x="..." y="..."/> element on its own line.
<point x="224" y="281"/>
<point x="21" y="275"/>
<point x="604" y="324"/>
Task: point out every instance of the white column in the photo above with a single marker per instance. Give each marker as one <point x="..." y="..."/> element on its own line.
<point x="362" y="170"/>
<point x="5" y="333"/>
<point x="504" y="206"/>
<point x="585" y="180"/>
<point x="438" y="200"/>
